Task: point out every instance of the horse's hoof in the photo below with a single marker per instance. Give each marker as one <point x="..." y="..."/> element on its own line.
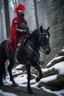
<point x="30" y="91"/>
<point x="37" y="79"/>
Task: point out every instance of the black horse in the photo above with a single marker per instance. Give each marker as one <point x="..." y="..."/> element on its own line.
<point x="29" y="55"/>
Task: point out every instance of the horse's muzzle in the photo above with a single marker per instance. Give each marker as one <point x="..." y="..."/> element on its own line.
<point x="47" y="50"/>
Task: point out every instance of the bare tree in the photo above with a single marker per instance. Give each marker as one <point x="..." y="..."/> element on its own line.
<point x="36" y="14"/>
<point x="42" y="55"/>
<point x="7" y="19"/>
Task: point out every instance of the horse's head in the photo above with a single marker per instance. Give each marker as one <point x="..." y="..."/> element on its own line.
<point x="44" y="40"/>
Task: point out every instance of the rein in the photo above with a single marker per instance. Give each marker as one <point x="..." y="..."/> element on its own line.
<point x="33" y="45"/>
<point x="32" y="48"/>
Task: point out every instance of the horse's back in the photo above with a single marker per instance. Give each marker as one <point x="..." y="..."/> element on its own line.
<point x="2" y="49"/>
<point x="3" y="44"/>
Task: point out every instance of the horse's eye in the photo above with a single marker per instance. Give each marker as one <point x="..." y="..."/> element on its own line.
<point x="47" y="36"/>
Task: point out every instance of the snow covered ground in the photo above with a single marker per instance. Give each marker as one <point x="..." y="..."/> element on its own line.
<point x="21" y="79"/>
<point x="20" y="76"/>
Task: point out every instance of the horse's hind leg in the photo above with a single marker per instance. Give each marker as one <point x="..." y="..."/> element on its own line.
<point x="37" y="66"/>
<point x="10" y="72"/>
<point x="1" y="75"/>
<point x="28" y="64"/>
<point x="2" y="70"/>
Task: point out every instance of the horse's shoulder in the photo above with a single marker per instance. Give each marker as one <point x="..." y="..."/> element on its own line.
<point x="26" y="39"/>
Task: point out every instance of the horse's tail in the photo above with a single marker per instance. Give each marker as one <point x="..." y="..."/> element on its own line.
<point x="2" y="60"/>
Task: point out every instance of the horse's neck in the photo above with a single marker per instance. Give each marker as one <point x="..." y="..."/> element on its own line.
<point x="33" y="38"/>
<point x="35" y="41"/>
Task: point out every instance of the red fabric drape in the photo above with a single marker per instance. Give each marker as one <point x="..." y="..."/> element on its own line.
<point x="11" y="45"/>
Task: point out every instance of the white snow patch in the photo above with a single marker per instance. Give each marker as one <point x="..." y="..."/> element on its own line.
<point x="49" y="78"/>
<point x="58" y="93"/>
<point x="56" y="58"/>
<point x="7" y="82"/>
<point x="59" y="67"/>
<point x="18" y="67"/>
<point x="14" y="72"/>
<point x="62" y="50"/>
<point x="21" y="79"/>
<point x="45" y="70"/>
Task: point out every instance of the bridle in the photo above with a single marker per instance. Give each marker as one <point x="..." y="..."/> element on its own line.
<point x="34" y="46"/>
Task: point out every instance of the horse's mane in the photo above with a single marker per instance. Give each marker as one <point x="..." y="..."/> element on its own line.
<point x="33" y="34"/>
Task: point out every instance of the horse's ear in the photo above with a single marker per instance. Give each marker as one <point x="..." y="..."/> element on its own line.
<point x="48" y="28"/>
<point x="41" y="28"/>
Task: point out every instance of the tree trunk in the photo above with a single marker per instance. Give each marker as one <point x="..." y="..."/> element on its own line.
<point x="7" y="19"/>
<point x="36" y="14"/>
<point x="37" y="25"/>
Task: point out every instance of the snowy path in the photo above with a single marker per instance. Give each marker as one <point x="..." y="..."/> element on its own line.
<point x="21" y="91"/>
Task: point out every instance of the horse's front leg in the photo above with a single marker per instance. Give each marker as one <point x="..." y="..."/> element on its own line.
<point x="28" y="64"/>
<point x="37" y="66"/>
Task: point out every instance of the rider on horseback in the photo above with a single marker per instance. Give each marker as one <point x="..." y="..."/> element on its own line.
<point x="19" y="29"/>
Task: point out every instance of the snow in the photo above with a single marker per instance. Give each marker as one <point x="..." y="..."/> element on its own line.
<point x="49" y="78"/>
<point x="56" y="58"/>
<point x="58" y="93"/>
<point x="45" y="70"/>
<point x="6" y="93"/>
<point x="21" y="80"/>
<point x="62" y="50"/>
<point x="18" y="67"/>
<point x="59" y="67"/>
<point x="17" y="71"/>
<point x="7" y="82"/>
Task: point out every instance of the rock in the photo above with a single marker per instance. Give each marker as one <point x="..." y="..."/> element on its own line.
<point x="50" y="72"/>
<point x="61" y="53"/>
<point x="56" y="84"/>
<point x="54" y="61"/>
<point x="54" y="73"/>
